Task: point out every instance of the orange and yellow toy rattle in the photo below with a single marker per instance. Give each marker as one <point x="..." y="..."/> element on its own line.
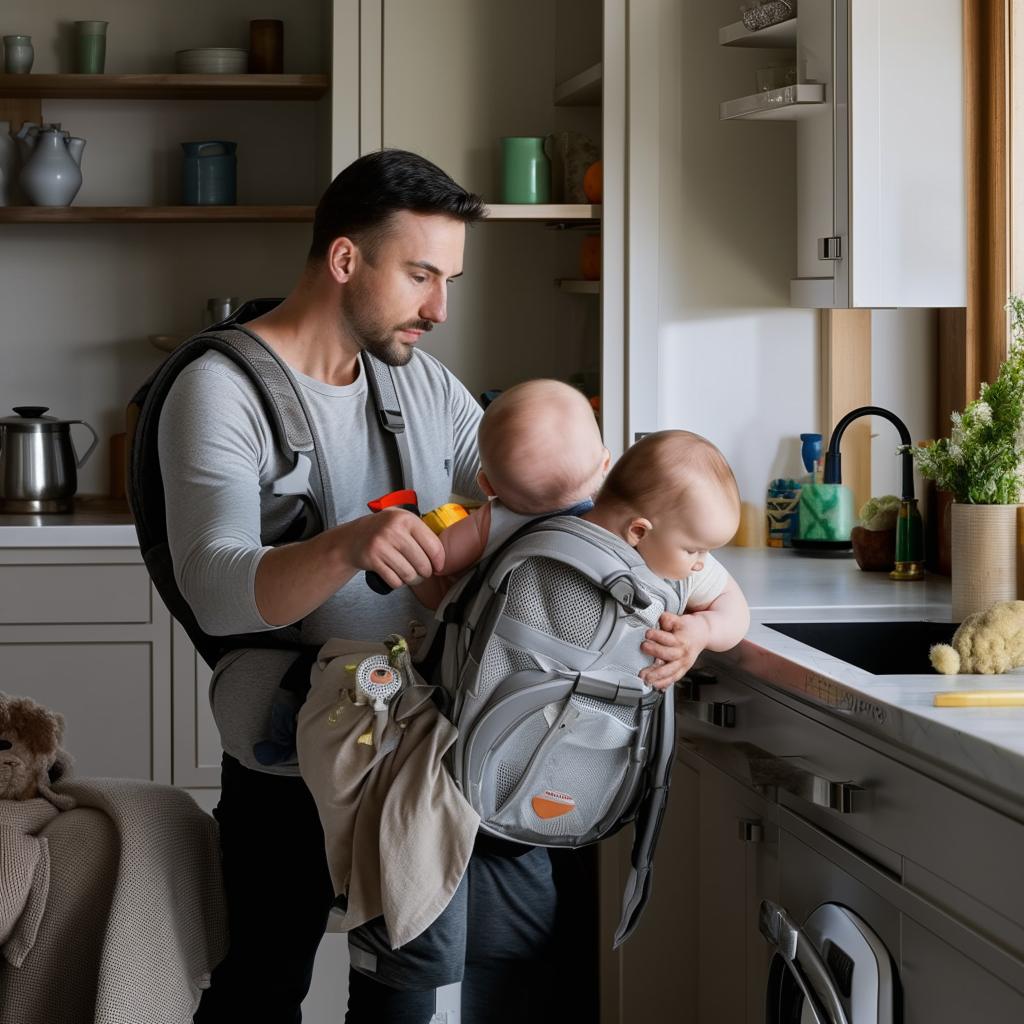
<point x="438" y="519"/>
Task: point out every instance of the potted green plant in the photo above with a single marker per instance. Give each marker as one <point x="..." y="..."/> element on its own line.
<point x="981" y="465"/>
<point x="874" y="539"/>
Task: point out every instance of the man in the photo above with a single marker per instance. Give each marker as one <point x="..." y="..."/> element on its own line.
<point x="388" y="238"/>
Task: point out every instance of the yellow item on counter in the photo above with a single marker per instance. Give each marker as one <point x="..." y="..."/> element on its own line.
<point x="440" y="518"/>
<point x="980" y="699"/>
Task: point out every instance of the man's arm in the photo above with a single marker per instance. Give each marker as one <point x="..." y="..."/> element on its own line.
<point x="293" y="580"/>
<point x="213" y="440"/>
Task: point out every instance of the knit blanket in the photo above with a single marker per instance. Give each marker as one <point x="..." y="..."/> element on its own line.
<point x="134" y="920"/>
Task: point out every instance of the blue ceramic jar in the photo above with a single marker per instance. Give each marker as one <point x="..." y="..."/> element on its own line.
<point x="209" y="173"/>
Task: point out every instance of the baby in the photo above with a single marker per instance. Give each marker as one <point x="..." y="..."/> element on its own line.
<point x="673" y="497"/>
<point x="540" y="452"/>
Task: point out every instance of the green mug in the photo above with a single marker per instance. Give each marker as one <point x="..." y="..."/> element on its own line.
<point x="525" y="170"/>
<point x="90" y="47"/>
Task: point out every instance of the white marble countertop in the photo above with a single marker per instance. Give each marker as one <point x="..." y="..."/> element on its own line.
<point x="985" y="744"/>
<point x="95" y="523"/>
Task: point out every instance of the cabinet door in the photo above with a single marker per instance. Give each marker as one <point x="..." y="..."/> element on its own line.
<point x="735" y="874"/>
<point x="942" y="986"/>
<point x="197" y="749"/>
<point x="697" y="955"/>
<point x="659" y="961"/>
<point x="109" y="692"/>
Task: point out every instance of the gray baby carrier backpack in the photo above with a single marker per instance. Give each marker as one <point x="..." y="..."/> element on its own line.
<point x="560" y="742"/>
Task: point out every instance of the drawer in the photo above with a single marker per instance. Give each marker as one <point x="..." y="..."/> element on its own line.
<point x="895" y="815"/>
<point x="67" y="594"/>
<point x="106" y="693"/>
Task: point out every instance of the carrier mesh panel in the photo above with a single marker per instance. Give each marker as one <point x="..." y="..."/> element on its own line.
<point x="574" y="773"/>
<point x="627" y="715"/>
<point x="517" y="753"/>
<point x="555" y="599"/>
<point x="499" y="662"/>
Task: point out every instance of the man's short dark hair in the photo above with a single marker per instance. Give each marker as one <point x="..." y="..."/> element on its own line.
<point x="362" y="199"/>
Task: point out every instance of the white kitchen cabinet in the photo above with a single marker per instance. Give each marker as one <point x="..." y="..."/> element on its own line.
<point x="881" y="201"/>
<point x="197" y="749"/>
<point x="82" y="632"/>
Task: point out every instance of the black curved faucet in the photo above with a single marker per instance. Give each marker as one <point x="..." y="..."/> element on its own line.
<point x="909" y="532"/>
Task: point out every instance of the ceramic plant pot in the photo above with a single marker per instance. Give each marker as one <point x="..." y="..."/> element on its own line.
<point x="984" y="556"/>
<point x="874" y="550"/>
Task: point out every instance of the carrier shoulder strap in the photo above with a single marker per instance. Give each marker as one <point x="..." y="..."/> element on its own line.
<point x="381" y="381"/>
<point x="647" y="824"/>
<point x="292" y="427"/>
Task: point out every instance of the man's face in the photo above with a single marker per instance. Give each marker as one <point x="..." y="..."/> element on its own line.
<point x="402" y="290"/>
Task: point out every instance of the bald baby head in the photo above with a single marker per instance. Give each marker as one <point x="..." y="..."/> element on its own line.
<point x="540" y="447"/>
<point x="678" y="475"/>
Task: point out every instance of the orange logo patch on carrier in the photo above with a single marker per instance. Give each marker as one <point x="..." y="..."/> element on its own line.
<point x="551" y="804"/>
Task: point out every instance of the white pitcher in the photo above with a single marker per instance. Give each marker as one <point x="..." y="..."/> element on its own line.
<point x="52" y="175"/>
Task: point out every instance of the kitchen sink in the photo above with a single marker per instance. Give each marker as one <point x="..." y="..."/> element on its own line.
<point x="882" y="648"/>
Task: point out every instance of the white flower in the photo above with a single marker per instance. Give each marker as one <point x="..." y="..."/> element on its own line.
<point x="983" y="412"/>
<point x="956" y="453"/>
<point x="956" y="436"/>
<point x="955" y="419"/>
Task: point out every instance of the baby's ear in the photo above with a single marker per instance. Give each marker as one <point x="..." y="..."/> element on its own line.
<point x="606" y="462"/>
<point x="485" y="484"/>
<point x="637" y="530"/>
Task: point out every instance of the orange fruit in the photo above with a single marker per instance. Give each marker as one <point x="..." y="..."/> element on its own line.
<point x="590" y="258"/>
<point x="593" y="182"/>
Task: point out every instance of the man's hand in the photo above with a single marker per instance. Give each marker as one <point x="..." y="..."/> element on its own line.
<point x="675" y="646"/>
<point x="395" y="544"/>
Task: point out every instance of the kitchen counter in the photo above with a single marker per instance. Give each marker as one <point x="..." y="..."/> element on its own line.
<point x="983" y="745"/>
<point x="95" y="523"/>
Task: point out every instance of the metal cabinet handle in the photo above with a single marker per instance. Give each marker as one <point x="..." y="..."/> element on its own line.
<point x="804" y="963"/>
<point x="713" y="712"/>
<point x="844" y="797"/>
<point x="751" y="830"/>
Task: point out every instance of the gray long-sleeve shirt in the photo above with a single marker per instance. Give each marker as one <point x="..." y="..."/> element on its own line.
<point x="221" y="467"/>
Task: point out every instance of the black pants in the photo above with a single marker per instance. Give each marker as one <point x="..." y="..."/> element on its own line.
<point x="279" y="892"/>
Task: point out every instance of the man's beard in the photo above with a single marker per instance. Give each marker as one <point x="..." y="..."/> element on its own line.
<point x="380" y="341"/>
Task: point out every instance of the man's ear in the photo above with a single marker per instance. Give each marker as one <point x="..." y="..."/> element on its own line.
<point x="637" y="530"/>
<point x="342" y="257"/>
<point x="485" y="484"/>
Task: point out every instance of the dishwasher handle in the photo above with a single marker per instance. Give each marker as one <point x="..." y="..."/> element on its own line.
<point x="804" y="963"/>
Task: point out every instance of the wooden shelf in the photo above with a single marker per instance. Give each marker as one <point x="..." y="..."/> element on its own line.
<point x="544" y="211"/>
<point x="164" y="87"/>
<point x="550" y="212"/>
<point x="781" y="36"/>
<point x="582" y="90"/>
<point x="154" y="214"/>
<point x="789" y="103"/>
<point x="577" y="287"/>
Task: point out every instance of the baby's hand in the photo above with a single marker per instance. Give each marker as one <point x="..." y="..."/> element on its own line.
<point x="675" y="646"/>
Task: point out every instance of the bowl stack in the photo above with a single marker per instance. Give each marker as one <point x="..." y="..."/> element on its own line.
<point x="211" y="60"/>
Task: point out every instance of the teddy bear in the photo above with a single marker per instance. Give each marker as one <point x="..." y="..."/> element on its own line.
<point x="988" y="642"/>
<point x="30" y="748"/>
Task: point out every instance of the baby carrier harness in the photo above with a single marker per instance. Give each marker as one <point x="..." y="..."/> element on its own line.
<point x="536" y="650"/>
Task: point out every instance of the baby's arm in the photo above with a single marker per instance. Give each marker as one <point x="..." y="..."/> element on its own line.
<point x="717" y="625"/>
<point x="463" y="544"/>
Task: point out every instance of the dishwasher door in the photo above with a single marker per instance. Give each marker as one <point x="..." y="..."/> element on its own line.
<point x="831" y="936"/>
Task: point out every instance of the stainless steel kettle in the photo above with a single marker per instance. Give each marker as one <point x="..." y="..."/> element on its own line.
<point x="38" y="462"/>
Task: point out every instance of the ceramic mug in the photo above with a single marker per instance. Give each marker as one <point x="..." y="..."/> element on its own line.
<point x="18" y="55"/>
<point x="525" y="170"/>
